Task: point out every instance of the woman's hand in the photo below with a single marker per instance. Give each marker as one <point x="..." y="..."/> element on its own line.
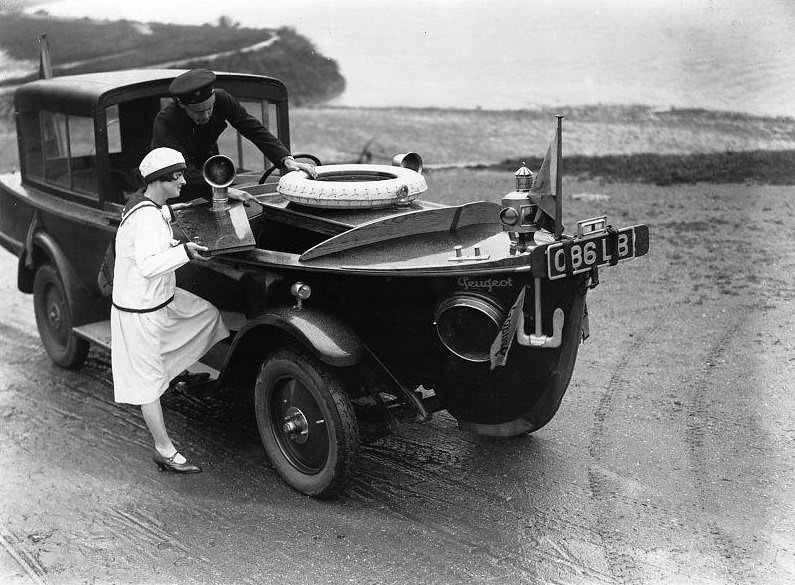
<point x="195" y="250"/>
<point x="178" y="206"/>
<point x="239" y="195"/>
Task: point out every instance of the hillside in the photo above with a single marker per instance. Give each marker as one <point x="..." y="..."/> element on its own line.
<point x="82" y="45"/>
<point x="615" y="143"/>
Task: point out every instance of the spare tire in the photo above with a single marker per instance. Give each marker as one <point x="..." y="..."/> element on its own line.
<point x="353" y="186"/>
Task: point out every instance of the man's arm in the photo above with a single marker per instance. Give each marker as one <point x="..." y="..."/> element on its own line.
<point x="251" y="128"/>
<point x="262" y="138"/>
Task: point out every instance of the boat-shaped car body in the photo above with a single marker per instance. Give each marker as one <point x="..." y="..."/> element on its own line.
<point x="354" y="299"/>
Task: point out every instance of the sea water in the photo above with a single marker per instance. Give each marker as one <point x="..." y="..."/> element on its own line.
<point x="732" y="55"/>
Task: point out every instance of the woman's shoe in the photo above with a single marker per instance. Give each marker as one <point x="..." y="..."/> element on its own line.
<point x="185" y="380"/>
<point x="168" y="464"/>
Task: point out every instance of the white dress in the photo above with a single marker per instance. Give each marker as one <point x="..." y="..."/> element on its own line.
<point x="151" y="347"/>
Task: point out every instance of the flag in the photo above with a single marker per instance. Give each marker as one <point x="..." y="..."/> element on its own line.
<point x="502" y="343"/>
<point x="547" y="186"/>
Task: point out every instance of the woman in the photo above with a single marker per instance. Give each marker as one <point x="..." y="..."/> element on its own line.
<point x="157" y="329"/>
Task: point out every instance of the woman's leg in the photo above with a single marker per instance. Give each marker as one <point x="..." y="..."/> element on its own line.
<point x="153" y="416"/>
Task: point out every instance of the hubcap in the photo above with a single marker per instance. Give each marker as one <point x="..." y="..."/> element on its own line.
<point x="55" y="313"/>
<point x="299" y="425"/>
<point x="296" y="426"/>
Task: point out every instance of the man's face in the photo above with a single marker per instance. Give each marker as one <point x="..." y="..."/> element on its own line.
<point x="200" y="113"/>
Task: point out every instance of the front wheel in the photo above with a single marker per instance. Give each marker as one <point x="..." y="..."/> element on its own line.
<point x="306" y="421"/>
<point x="54" y="320"/>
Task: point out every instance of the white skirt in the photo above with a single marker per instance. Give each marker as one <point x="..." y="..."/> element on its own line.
<point x="148" y="350"/>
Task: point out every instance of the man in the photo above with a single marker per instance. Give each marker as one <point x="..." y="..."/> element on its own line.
<point x="157" y="329"/>
<point x="195" y="119"/>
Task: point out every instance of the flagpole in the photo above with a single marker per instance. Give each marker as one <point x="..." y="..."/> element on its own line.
<point x="559" y="181"/>
<point x="45" y="64"/>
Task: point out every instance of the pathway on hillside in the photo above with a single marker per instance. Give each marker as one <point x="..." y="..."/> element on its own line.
<point x="19" y="72"/>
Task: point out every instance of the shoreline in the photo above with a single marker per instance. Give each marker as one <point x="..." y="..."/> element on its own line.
<point x="612" y="143"/>
<point x="605" y="110"/>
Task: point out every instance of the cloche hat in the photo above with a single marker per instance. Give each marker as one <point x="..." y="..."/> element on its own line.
<point x="161" y="161"/>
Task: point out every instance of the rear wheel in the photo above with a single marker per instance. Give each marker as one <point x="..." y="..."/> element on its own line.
<point x="54" y="320"/>
<point x="306" y="421"/>
<point x="510" y="413"/>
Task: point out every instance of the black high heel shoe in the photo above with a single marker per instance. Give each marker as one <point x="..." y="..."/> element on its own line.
<point x="168" y="464"/>
<point x="185" y="380"/>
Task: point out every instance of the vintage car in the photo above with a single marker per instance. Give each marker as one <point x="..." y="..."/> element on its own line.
<point x="353" y="300"/>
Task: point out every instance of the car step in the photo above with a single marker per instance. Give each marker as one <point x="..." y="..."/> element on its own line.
<point x="98" y="333"/>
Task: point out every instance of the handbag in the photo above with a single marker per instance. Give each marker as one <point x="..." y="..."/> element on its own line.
<point x="105" y="274"/>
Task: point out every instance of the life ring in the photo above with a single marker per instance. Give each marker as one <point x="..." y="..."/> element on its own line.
<point x="353" y="186"/>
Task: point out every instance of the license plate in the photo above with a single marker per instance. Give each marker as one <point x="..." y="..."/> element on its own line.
<point x="580" y="255"/>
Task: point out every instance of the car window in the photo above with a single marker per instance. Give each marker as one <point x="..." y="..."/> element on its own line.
<point x="113" y="129"/>
<point x="60" y="150"/>
<point x="245" y="155"/>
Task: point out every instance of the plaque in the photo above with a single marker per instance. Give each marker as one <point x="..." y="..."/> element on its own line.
<point x="221" y="231"/>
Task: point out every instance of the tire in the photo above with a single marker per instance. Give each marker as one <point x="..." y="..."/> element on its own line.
<point x="316" y="454"/>
<point x="54" y="320"/>
<point x="353" y="186"/>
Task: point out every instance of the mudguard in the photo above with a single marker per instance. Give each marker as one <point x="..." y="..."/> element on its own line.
<point x="78" y="296"/>
<point x="329" y="338"/>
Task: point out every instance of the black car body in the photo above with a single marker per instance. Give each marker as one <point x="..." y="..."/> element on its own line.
<point x="344" y="318"/>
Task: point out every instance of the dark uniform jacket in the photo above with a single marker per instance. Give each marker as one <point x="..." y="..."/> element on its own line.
<point x="174" y="129"/>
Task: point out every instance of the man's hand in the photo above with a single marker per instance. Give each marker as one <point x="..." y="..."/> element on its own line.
<point x="195" y="250"/>
<point x="290" y="164"/>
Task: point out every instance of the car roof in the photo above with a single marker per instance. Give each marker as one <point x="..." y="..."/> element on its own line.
<point x="84" y="94"/>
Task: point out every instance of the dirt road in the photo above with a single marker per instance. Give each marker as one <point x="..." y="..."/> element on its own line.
<point x="672" y="459"/>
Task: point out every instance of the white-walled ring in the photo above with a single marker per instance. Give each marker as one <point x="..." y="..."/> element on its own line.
<point x="353" y="186"/>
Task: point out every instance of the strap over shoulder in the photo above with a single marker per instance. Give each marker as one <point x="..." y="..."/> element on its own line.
<point x="135" y="203"/>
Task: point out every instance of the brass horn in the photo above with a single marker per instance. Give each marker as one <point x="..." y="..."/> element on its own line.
<point x="219" y="172"/>
<point x="408" y="160"/>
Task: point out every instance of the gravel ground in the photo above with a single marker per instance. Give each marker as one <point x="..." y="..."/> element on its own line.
<point x="670" y="460"/>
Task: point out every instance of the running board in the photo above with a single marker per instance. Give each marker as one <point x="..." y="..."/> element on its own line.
<point x="98" y="333"/>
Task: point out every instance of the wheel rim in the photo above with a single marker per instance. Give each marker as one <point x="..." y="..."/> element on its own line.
<point x="56" y="316"/>
<point x="299" y="426"/>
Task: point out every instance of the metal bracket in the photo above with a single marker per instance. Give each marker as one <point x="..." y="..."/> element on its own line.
<point x="592" y="227"/>
<point x="539" y="339"/>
